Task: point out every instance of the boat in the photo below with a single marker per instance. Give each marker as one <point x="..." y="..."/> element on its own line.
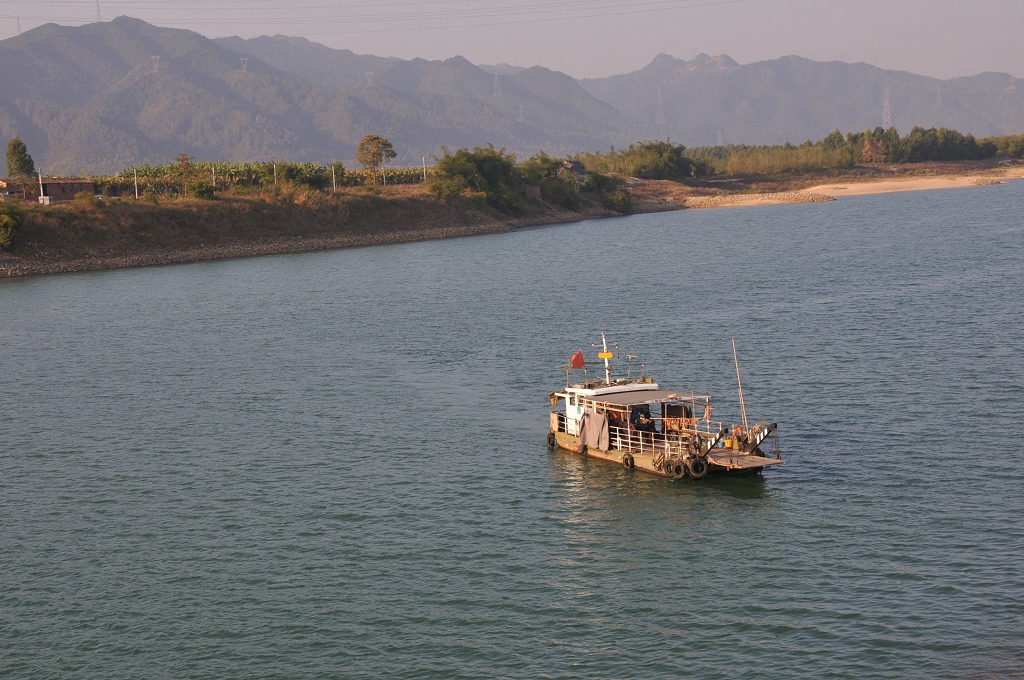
<point x="639" y="424"/>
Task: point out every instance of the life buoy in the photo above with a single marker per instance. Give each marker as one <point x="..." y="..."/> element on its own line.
<point x="551" y="440"/>
<point x="627" y="461"/>
<point x="697" y="467"/>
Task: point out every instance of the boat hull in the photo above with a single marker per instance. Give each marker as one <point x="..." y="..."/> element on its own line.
<point x="719" y="460"/>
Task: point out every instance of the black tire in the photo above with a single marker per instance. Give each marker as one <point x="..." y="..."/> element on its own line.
<point x="583" y="450"/>
<point x="551" y="440"/>
<point x="697" y="467"/>
<point x="676" y="468"/>
<point x="627" y="461"/>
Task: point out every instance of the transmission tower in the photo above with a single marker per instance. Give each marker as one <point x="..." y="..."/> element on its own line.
<point x="156" y="62"/>
<point x="245" y="61"/>
<point x="721" y="142"/>
<point x="659" y="115"/>
<point x="369" y="77"/>
<point x="886" y="109"/>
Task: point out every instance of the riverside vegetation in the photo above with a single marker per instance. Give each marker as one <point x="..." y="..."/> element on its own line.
<point x="203" y="210"/>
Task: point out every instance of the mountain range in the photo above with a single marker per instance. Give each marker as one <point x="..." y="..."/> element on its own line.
<point x="110" y="95"/>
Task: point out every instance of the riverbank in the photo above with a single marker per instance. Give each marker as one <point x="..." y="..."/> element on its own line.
<point x="87" y="236"/>
<point x="651" y="196"/>
<point x="77" y="236"/>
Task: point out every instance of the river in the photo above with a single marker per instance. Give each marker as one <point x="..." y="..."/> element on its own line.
<point x="333" y="464"/>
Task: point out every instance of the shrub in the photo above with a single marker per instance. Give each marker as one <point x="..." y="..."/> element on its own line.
<point x="87" y="198"/>
<point x="10" y="220"/>
<point x="203" y="190"/>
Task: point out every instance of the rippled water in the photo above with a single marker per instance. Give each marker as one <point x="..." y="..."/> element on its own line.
<point x="333" y="464"/>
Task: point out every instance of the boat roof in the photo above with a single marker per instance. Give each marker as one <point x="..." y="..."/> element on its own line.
<point x="643" y="397"/>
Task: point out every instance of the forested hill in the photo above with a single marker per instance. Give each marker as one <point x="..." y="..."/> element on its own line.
<point x="111" y="95"/>
<point x="106" y="96"/>
<point x="713" y="99"/>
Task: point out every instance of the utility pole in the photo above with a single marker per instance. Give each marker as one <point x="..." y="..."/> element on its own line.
<point x="136" y="173"/>
<point x="98" y="19"/>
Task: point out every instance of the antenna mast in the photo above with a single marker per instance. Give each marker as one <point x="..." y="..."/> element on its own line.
<point x="743" y="408"/>
<point x="606" y="355"/>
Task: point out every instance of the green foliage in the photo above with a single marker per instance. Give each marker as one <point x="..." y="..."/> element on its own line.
<point x="738" y="160"/>
<point x="203" y="190"/>
<point x="10" y="220"/>
<point x="19" y="163"/>
<point x="609" y="191"/>
<point x="374" y="152"/>
<point x="835" y="152"/>
<point x="487" y="171"/>
<point x="1011" y="146"/>
<point x="536" y="169"/>
<point x="87" y="198"/>
<point x="557" y="185"/>
<point x="648" y="160"/>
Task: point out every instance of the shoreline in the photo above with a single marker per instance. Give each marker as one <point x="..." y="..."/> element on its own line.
<point x="862" y="187"/>
<point x="438" y="223"/>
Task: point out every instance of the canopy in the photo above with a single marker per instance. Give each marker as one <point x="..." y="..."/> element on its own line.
<point x="644" y="397"/>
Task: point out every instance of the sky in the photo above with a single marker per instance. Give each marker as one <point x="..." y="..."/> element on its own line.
<point x="596" y="38"/>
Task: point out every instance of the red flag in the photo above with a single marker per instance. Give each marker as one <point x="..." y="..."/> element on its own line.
<point x="577" y="359"/>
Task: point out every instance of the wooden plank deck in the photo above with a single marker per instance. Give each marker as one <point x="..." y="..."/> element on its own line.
<point x="734" y="460"/>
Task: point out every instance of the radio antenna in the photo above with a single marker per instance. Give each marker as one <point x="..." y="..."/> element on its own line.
<point x="743" y="408"/>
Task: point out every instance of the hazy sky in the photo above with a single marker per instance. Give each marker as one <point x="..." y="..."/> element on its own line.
<point x="592" y="38"/>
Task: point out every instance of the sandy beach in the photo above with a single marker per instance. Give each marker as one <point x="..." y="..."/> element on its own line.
<point x="917" y="183"/>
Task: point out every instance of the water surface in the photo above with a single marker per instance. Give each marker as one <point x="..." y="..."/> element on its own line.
<point x="333" y="464"/>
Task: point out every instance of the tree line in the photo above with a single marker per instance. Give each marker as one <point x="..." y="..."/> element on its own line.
<point x="838" y="152"/>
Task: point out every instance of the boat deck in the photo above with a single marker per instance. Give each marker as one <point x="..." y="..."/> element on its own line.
<point x="734" y="460"/>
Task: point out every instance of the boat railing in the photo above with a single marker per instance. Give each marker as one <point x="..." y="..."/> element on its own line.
<point x="648" y="442"/>
<point x="666" y="440"/>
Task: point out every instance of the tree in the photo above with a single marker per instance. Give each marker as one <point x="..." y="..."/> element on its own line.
<point x="375" y="152"/>
<point x="19" y="163"/>
<point x="184" y="170"/>
<point x="485" y="171"/>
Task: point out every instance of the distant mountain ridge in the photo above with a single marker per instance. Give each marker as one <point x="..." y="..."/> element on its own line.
<point x="106" y="96"/>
